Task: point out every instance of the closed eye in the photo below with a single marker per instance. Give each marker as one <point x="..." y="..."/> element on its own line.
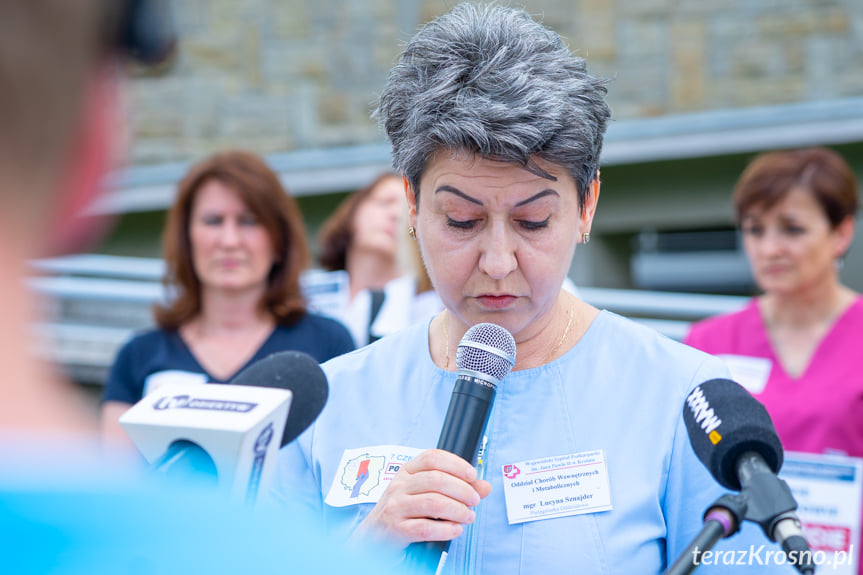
<point x="460" y="224"/>
<point x="753" y="230"/>
<point x="532" y="225"/>
<point x="248" y="220"/>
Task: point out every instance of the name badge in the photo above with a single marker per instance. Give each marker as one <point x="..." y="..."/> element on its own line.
<point x="556" y="487"/>
<point x="365" y="473"/>
<point x="750" y="372"/>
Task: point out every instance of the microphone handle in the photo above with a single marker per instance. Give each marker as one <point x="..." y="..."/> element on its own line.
<point x="711" y="532"/>
<point x="790" y="535"/>
<point x="461" y="433"/>
<point x="466" y="417"/>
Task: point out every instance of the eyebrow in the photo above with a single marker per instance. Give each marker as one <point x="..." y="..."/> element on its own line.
<point x="459" y="193"/>
<point x="538" y="195"/>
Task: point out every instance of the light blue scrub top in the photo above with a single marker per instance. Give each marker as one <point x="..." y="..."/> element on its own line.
<point x="620" y="389"/>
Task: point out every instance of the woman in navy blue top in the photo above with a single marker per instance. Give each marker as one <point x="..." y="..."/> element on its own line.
<point x="234" y="247"/>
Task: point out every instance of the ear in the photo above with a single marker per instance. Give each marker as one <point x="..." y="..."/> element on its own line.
<point x="412" y="203"/>
<point x="843" y="235"/>
<point x="590" y="201"/>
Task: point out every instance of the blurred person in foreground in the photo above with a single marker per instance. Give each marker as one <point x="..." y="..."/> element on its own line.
<point x="58" y="112"/>
<point x="61" y="509"/>
<point x="797" y="344"/>
<point x="498" y="129"/>
<point x="365" y="237"/>
<point x="234" y="248"/>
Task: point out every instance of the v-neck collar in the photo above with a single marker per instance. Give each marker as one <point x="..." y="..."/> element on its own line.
<point x="819" y="348"/>
<point x="210" y="377"/>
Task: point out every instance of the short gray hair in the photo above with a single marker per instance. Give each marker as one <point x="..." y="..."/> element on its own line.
<point x="489" y="80"/>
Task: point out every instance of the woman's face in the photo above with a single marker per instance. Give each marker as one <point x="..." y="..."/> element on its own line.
<point x="231" y="250"/>
<point x="376" y="221"/>
<point x="791" y="246"/>
<point x="498" y="240"/>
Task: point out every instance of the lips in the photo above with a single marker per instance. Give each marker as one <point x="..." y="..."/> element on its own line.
<point x="496" y="301"/>
<point x="230" y="264"/>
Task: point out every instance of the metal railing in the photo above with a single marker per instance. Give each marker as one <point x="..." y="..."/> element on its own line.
<point x="96" y="302"/>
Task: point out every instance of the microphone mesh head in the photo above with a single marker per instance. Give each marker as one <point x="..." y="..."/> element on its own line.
<point x="486" y="348"/>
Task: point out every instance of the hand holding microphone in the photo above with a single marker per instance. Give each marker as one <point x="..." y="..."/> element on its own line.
<point x="430" y="499"/>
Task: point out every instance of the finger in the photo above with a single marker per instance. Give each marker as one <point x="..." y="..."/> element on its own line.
<point x="481" y="487"/>
<point x="423" y="529"/>
<point x="435" y="481"/>
<point x="404" y="518"/>
<point x="438" y="459"/>
<point x="437" y="506"/>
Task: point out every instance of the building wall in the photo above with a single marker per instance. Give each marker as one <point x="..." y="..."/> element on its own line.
<point x="279" y="75"/>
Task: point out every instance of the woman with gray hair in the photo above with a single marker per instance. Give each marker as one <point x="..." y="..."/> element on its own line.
<point x="585" y="466"/>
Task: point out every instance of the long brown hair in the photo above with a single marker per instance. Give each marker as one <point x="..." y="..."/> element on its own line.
<point x="263" y="194"/>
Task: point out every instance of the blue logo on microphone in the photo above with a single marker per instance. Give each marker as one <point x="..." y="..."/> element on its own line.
<point x="187" y="402"/>
<point x="260" y="450"/>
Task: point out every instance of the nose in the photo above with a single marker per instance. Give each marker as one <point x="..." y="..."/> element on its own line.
<point x="771" y="243"/>
<point x="498" y="252"/>
<point x="229" y="234"/>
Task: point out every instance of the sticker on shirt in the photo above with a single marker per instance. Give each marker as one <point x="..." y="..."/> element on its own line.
<point x="364" y="473"/>
<point x="155" y="380"/>
<point x="750" y="372"/>
<point x="556" y="487"/>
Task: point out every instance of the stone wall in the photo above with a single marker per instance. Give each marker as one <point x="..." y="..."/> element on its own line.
<point x="280" y="75"/>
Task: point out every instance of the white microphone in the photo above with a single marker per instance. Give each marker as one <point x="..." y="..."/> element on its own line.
<point x="229" y="435"/>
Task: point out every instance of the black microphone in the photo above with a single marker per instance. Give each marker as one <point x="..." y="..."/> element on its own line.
<point x="300" y="373"/>
<point x="193" y="440"/>
<point x="733" y="436"/>
<point x="484" y="357"/>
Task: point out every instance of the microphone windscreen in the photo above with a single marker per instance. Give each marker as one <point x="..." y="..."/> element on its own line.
<point x="723" y="422"/>
<point x="298" y="372"/>
<point x="488" y="349"/>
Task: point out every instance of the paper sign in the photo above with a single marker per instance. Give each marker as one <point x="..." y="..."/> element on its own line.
<point x="828" y="492"/>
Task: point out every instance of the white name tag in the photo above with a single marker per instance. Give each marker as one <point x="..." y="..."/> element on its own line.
<point x="556" y="487"/>
<point x="364" y="473"/>
<point x="750" y="372"/>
